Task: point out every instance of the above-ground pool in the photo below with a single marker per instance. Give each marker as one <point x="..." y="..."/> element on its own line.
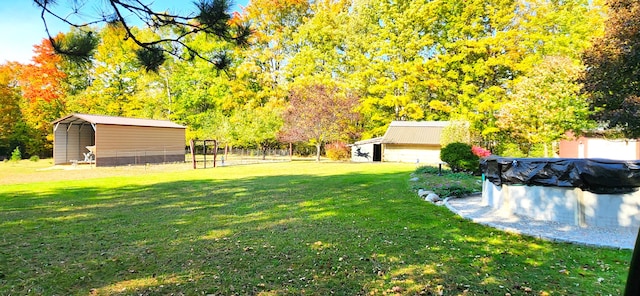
<point x="584" y="192"/>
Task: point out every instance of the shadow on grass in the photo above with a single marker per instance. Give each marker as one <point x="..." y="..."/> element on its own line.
<point x="350" y="234"/>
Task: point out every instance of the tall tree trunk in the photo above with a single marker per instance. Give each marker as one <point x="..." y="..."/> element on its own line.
<point x="546" y="150"/>
<point x="318" y="152"/>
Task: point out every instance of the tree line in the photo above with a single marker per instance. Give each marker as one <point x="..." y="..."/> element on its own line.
<point x="521" y="73"/>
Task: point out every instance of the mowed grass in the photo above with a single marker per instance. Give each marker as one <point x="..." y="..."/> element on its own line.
<point x="298" y="228"/>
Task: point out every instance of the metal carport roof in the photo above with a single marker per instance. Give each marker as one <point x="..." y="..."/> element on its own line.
<point x="78" y="118"/>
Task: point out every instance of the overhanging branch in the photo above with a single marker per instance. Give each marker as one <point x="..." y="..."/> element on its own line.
<point x="213" y="18"/>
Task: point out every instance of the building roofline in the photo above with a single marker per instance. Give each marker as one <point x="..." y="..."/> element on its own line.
<point x="115" y="120"/>
<point x="423" y="132"/>
<point x="420" y="123"/>
<point x="377" y="140"/>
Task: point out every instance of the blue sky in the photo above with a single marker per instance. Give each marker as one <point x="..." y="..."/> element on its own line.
<point x="21" y="26"/>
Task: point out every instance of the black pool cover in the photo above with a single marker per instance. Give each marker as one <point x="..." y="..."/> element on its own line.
<point x="595" y="175"/>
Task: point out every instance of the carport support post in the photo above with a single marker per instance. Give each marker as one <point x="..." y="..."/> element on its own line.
<point x="193" y="153"/>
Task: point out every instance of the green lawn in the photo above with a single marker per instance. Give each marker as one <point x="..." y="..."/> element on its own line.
<point x="271" y="229"/>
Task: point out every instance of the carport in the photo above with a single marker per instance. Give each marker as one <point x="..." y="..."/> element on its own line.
<point x="117" y="140"/>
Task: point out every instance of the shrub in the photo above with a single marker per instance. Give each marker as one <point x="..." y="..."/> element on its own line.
<point x="16" y="155"/>
<point x="460" y="158"/>
<point x="457" y="190"/>
<point x="34" y="158"/>
<point x="337" y="151"/>
<point x="431" y="170"/>
<point x="480" y="152"/>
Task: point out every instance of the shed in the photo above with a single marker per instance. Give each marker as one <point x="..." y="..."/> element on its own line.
<point x="594" y="147"/>
<point x="413" y="141"/>
<point x="367" y="150"/>
<point x="112" y="141"/>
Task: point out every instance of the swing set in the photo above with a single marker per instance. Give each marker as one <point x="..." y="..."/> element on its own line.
<point x="199" y="151"/>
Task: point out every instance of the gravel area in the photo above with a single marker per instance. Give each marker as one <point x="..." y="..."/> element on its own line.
<point x="471" y="208"/>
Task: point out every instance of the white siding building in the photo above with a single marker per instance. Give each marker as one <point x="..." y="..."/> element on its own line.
<point x="404" y="141"/>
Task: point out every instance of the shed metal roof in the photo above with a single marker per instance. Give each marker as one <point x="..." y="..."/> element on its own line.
<point x="78" y="118"/>
<point x="414" y="132"/>
<point x="377" y="140"/>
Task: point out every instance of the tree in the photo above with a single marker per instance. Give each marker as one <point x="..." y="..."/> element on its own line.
<point x="385" y="59"/>
<point x="456" y="60"/>
<point x="319" y="41"/>
<point x="200" y="95"/>
<point x="558" y="28"/>
<point x="482" y="47"/>
<point x="43" y="79"/>
<point x="612" y="78"/>
<point x="9" y="108"/>
<point x="455" y="132"/>
<point x="211" y="17"/>
<point x="318" y="114"/>
<point x="114" y="76"/>
<point x="114" y="84"/>
<point x="472" y="61"/>
<point x="261" y="76"/>
<point x="77" y="72"/>
<point x="545" y="105"/>
<point x="41" y="83"/>
<point x="256" y="127"/>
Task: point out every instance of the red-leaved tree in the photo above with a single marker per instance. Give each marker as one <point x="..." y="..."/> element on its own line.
<point x="612" y="77"/>
<point x="319" y="114"/>
<point x="43" y="95"/>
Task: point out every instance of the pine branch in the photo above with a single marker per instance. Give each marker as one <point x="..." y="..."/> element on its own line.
<point x="212" y="18"/>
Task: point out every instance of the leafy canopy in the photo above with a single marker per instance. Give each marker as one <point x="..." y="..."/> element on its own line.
<point x="318" y="114"/>
<point x="613" y="65"/>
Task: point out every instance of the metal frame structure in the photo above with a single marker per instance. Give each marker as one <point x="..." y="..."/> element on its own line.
<point x="193" y="144"/>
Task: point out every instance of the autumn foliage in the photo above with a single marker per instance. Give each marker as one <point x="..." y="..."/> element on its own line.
<point x="338" y="151"/>
<point x="613" y="64"/>
<point x="40" y="100"/>
<point x="480" y="152"/>
<point x="42" y="79"/>
<point x="318" y="114"/>
<point x="345" y="69"/>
